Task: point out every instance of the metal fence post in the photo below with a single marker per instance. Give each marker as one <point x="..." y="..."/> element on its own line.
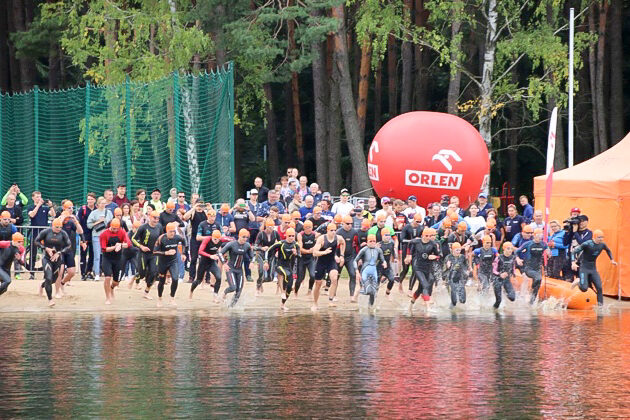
<point x="231" y="127"/>
<point x="86" y="140"/>
<point x="36" y="106"/>
<point x="178" y="174"/>
<point x="128" y="130"/>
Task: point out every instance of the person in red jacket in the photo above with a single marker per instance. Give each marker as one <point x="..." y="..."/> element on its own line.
<point x="113" y="241"/>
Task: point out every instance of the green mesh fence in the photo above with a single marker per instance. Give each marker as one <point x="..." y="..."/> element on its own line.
<point x="174" y="132"/>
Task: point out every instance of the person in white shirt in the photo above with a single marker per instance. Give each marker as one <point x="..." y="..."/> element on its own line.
<point x="474" y="221"/>
<point x="343" y="207"/>
<point x="538" y="222"/>
<point x="413" y="208"/>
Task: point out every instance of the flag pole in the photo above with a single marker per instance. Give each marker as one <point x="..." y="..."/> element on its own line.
<point x="571" y="32"/>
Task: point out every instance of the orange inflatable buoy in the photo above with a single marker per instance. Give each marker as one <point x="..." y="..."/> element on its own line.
<point x="575" y="298"/>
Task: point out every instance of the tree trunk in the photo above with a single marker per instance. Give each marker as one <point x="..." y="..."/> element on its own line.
<point x="617" y="131"/>
<point x="378" y="96"/>
<point x="289" y="129"/>
<point x="406" y="92"/>
<point x="485" y="112"/>
<point x="27" y="65"/>
<point x="348" y="110"/>
<point x="295" y="96"/>
<point x="455" y="75"/>
<point x="599" y="78"/>
<point x="5" y="73"/>
<point x="219" y="11"/>
<point x="392" y="75"/>
<point x="273" y="162"/>
<point x="320" y="98"/>
<point x="54" y="65"/>
<point x="334" y="133"/>
<point x="420" y="58"/>
<point x="592" y="66"/>
<point x="364" y="75"/>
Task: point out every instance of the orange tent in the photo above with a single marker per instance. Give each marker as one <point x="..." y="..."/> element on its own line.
<point x="600" y="187"/>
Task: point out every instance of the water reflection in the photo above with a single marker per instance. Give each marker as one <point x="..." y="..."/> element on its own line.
<point x="263" y="365"/>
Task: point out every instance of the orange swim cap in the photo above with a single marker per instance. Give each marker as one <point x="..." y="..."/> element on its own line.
<point x="269" y="222"/>
<point x="67" y="204"/>
<point x="286" y="218"/>
<point x="538" y="231"/>
<point x="117" y="212"/>
<point x="337" y="218"/>
<point x="290" y="232"/>
<point x="365" y="223"/>
<point x="417" y="217"/>
<point x="216" y="234"/>
<point x="243" y="233"/>
<point x="136" y="224"/>
<point x="115" y="223"/>
<point x="308" y="224"/>
<point x="5" y="215"/>
<point x="170" y="205"/>
<point x="225" y="207"/>
<point x="296" y="215"/>
<point x="57" y="223"/>
<point x="598" y="233"/>
<point x="371" y="238"/>
<point x="347" y="218"/>
<point x="487" y="239"/>
<point x="17" y="237"/>
<point x="331" y="226"/>
<point x="462" y="226"/>
<point x="171" y="227"/>
<point x="154" y="213"/>
<point x="456" y="245"/>
<point x="528" y="229"/>
<point x="447" y="222"/>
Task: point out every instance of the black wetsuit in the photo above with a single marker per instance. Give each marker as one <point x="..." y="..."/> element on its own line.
<point x="407" y="234"/>
<point x="208" y="265"/>
<point x="326" y="263"/>
<point x="287" y="255"/>
<point x="588" y="270"/>
<point x="532" y="254"/>
<point x="60" y="243"/>
<point x="7" y="256"/>
<point x="456" y="276"/>
<point x="484" y="258"/>
<point x="422" y="266"/>
<point x="388" y="249"/>
<point x="147" y="265"/>
<point x="236" y="254"/>
<point x="167" y="263"/>
<point x="265" y="241"/>
<point x="306" y="262"/>
<point x="503" y="264"/>
<point x="351" y="237"/>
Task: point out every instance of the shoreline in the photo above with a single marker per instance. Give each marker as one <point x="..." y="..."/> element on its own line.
<point x="89" y="297"/>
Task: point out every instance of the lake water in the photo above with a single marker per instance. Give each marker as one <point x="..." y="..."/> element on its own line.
<point x="333" y="364"/>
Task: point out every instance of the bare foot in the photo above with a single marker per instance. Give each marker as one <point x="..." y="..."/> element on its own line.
<point x="172" y="303"/>
<point x="390" y="297"/>
<point x="41" y="291"/>
<point x="130" y="284"/>
<point x="309" y="293"/>
<point x="285" y="308"/>
<point x="314" y="308"/>
<point x="353" y="299"/>
<point x="159" y="303"/>
<point x="147" y="297"/>
<point x="332" y="304"/>
<point x="108" y="302"/>
<point x="51" y="303"/>
<point x="190" y="296"/>
<point x="58" y="295"/>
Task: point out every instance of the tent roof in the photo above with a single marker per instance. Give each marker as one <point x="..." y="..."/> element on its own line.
<point x="606" y="175"/>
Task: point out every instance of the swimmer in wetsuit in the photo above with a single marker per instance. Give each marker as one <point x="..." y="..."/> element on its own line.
<point x="55" y="243"/>
<point x="145" y="238"/>
<point x="589" y="277"/>
<point x="369" y="256"/>
<point x="325" y="250"/>
<point x="456" y="267"/>
<point x="530" y="255"/>
<point x="209" y="263"/>
<point x="113" y="241"/>
<point x="166" y="249"/>
<point x="287" y="253"/>
<point x="306" y="263"/>
<point x="502" y="272"/>
<point x="236" y="251"/>
<point x="421" y="253"/>
<point x="482" y="259"/>
<point x="10" y="251"/>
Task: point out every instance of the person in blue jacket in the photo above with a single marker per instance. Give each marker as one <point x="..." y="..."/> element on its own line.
<point x="559" y="266"/>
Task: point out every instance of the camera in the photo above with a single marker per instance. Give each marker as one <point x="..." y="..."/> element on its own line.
<point x="568" y="223"/>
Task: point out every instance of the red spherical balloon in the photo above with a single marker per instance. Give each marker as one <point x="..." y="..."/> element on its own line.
<point x="428" y="154"/>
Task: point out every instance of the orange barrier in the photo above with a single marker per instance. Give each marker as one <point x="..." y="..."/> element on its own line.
<point x="575" y="298"/>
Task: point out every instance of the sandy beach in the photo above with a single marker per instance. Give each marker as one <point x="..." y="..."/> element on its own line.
<point x="88" y="296"/>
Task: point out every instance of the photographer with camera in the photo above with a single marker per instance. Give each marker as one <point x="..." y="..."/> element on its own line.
<point x="577" y="232"/>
